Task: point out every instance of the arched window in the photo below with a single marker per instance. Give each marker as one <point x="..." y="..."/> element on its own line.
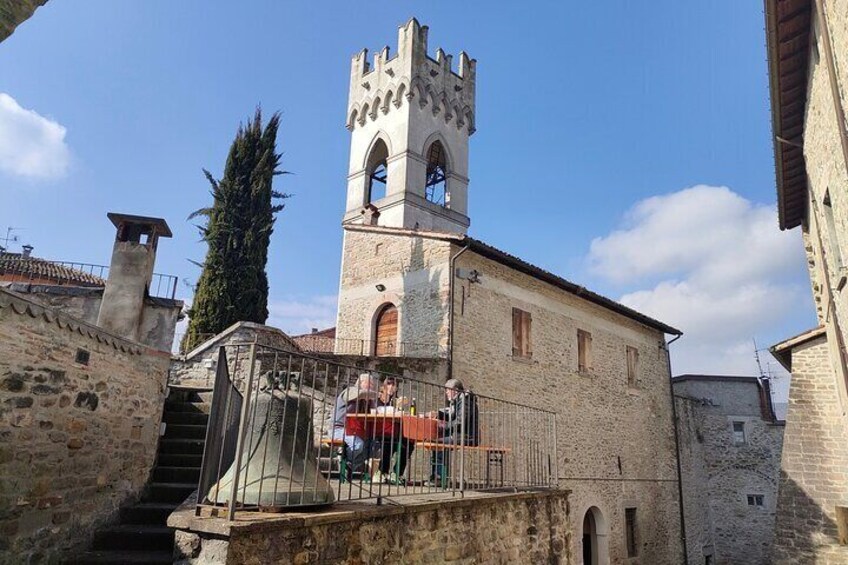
<point x="435" y="189"/>
<point x="386" y="331"/>
<point x="377" y="171"/>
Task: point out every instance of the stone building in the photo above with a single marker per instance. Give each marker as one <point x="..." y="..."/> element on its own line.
<point x="80" y="402"/>
<point x="125" y="296"/>
<point x="413" y="284"/>
<point x="730" y="444"/>
<point x="807" y="50"/>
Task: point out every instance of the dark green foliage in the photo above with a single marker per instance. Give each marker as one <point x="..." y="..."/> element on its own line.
<point x="233" y="286"/>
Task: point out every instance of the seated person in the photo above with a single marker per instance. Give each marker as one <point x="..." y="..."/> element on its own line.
<point x="392" y="442"/>
<point x="355" y="399"/>
<point x="462" y="407"/>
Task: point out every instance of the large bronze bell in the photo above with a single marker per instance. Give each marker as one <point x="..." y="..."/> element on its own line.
<point x="280" y="468"/>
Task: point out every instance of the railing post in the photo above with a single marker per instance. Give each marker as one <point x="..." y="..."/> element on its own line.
<point x="465" y="410"/>
<point x="231" y="509"/>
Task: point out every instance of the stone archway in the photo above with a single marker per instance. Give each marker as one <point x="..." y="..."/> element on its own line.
<point x="595" y="547"/>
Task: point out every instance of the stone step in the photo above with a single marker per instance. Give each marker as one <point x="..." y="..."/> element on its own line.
<point x="180" y="460"/>
<point x="162" y="474"/>
<point x="197" y="407"/>
<point x="147" y="513"/>
<point x="189" y="418"/>
<point x="122" y="557"/>
<point x="134" y="537"/>
<point x="181" y="446"/>
<point x="184" y="431"/>
<point x="169" y="492"/>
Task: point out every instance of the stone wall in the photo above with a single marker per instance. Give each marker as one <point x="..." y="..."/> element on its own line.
<point x="14" y="12"/>
<point x="718" y="473"/>
<point x="615" y="442"/>
<point x="197" y="367"/>
<point x="813" y="480"/>
<point x="78" y="440"/>
<point x="506" y="528"/>
<point x="414" y="271"/>
<point x="814" y="467"/>
<point x="158" y="318"/>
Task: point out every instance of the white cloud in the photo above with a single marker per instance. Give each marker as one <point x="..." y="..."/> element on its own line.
<point x="712" y="263"/>
<point x="298" y="316"/>
<point x="31" y="145"/>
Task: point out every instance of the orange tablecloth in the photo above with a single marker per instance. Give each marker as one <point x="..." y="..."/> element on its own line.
<point x="415" y="428"/>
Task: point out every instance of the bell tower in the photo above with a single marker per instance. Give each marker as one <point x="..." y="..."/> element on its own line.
<point x="410" y="117"/>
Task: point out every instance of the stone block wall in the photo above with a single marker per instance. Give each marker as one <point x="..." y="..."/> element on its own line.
<point x="615" y="442"/>
<point x="718" y="473"/>
<point x="814" y="466"/>
<point x="197" y="368"/>
<point x="516" y="528"/>
<point x="158" y="318"/>
<point x="78" y="439"/>
<point x="414" y="271"/>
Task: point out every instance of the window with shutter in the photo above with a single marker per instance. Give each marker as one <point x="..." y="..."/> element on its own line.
<point x="632" y="367"/>
<point x="584" y="351"/>
<point x="521" y="324"/>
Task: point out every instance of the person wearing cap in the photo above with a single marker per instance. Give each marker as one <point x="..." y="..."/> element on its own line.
<point x="457" y="426"/>
<point x="355" y="399"/>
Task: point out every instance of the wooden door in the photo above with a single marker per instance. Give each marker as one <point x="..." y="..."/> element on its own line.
<point x="387" y="321"/>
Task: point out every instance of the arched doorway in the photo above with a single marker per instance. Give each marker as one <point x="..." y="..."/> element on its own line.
<point x="595" y="550"/>
<point x="386" y="331"/>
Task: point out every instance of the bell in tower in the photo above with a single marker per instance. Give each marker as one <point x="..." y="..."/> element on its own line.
<point x="410" y="118"/>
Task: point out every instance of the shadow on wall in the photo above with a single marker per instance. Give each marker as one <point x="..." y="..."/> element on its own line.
<point x="804" y="533"/>
<point x="419" y="335"/>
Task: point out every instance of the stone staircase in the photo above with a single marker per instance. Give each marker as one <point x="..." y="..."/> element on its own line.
<point x="141" y="535"/>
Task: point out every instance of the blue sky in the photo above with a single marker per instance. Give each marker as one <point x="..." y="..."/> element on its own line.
<point x="592" y="121"/>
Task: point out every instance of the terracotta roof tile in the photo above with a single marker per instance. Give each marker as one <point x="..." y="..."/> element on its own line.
<point x="16" y="267"/>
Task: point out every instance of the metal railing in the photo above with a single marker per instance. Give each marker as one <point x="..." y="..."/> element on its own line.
<point x="287" y="430"/>
<point x="82" y="274"/>
<point x="370" y="348"/>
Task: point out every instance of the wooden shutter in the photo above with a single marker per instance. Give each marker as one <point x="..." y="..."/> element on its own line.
<point x="521" y="322"/>
<point x="387" y="322"/>
<point x="632" y="366"/>
<point x="584" y="351"/>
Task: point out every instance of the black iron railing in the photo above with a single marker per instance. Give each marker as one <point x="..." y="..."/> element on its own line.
<point x="291" y="430"/>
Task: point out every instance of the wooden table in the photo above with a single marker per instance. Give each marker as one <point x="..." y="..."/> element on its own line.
<point x="413" y="428"/>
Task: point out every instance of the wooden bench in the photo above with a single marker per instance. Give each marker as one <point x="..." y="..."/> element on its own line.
<point x="494" y="456"/>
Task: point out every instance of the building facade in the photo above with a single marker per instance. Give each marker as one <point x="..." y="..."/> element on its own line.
<point x="730" y="445"/>
<point x="413" y="284"/>
<point x="807" y="50"/>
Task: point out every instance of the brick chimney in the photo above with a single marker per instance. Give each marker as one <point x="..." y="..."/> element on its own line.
<point x="130" y="272"/>
<point x="26" y="250"/>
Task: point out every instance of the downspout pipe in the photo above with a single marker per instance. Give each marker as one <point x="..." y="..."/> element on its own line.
<point x="452" y="286"/>
<point x="677" y="450"/>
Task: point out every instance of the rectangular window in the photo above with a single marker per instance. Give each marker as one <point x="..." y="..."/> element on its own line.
<point x="630" y="530"/>
<point x="82" y="357"/>
<point x="521" y="322"/>
<point x="584" y="351"/>
<point x="755" y="499"/>
<point x="632" y="367"/>
<point x="739" y="432"/>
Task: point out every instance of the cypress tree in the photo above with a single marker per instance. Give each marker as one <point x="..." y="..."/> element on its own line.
<point x="233" y="285"/>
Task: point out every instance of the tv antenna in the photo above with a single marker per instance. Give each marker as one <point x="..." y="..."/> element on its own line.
<point x="9" y="237"/>
<point x="764" y="374"/>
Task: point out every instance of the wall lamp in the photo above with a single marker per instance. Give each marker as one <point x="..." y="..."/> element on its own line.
<point x="381" y="288"/>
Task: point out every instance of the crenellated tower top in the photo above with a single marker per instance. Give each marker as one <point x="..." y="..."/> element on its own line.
<point x="410" y="116"/>
<point x="413" y="74"/>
